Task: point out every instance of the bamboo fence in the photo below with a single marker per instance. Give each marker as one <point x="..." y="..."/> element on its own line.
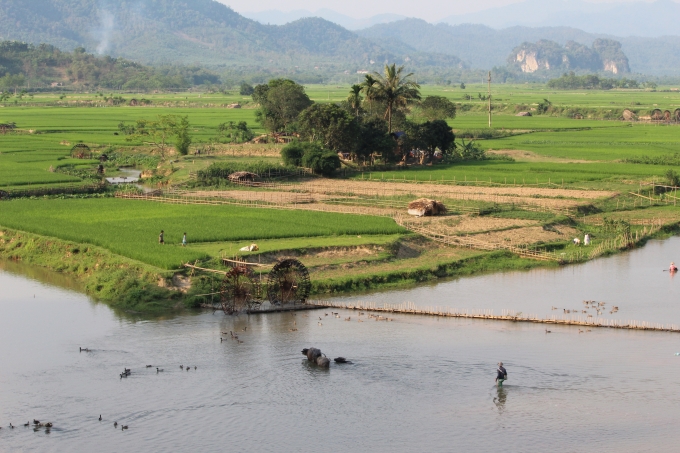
<point x="506" y="315"/>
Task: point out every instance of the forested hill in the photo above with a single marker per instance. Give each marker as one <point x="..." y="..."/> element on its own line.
<point x="197" y="31"/>
<point x="24" y="65"/>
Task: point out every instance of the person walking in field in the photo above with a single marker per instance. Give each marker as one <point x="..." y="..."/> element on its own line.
<point x="184" y="240"/>
<point x="586" y="239"/>
<point x="160" y="238"/>
<point x="501" y="374"/>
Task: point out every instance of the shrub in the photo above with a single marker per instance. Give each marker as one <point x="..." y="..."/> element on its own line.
<point x="292" y="154"/>
<point x="320" y="161"/>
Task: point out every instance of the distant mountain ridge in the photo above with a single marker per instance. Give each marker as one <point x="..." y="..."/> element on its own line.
<point x="277" y="17"/>
<point x="481" y="46"/>
<point x="197" y="32"/>
<point x="639" y="18"/>
<point x="208" y="33"/>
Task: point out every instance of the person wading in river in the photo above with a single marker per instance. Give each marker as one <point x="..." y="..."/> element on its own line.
<point x="501" y="375"/>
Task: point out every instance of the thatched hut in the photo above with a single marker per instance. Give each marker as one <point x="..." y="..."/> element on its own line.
<point x="676" y="115"/>
<point x="242" y="176"/>
<point x="81" y="151"/>
<point x="134" y="102"/>
<point x="667" y="116"/>
<point x="426" y="207"/>
<point x="577" y="116"/>
<point x="656" y="115"/>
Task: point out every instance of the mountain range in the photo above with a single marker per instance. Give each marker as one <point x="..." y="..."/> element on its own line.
<point x="648" y="19"/>
<point x="480" y="46"/>
<point x="637" y="18"/>
<point x="278" y="17"/>
<point x="208" y="33"/>
<point x="201" y="32"/>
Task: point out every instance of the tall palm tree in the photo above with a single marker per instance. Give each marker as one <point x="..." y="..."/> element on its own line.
<point x="368" y="87"/>
<point x="354" y="98"/>
<point x="395" y="90"/>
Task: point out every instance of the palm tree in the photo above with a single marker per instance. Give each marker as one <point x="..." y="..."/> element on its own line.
<point x="354" y="98"/>
<point x="395" y="90"/>
<point x="368" y="87"/>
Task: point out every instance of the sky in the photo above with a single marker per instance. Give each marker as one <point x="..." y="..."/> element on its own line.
<point x="431" y="10"/>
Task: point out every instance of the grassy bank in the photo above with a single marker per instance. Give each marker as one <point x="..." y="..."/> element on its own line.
<point x="123" y="283"/>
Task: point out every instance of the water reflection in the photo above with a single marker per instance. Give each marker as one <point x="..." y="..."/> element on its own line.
<point x="500" y="399"/>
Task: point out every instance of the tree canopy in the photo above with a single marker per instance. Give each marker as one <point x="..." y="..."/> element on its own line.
<point x="281" y="101"/>
<point x="330" y="125"/>
<point x="395" y="89"/>
<point x="437" y="108"/>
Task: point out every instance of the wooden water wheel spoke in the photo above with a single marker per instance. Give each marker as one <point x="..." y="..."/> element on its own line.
<point x="238" y="291"/>
<point x="288" y="282"/>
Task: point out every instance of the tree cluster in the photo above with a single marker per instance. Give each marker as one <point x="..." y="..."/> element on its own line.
<point x="571" y="81"/>
<point x="371" y="123"/>
<point x="159" y="133"/>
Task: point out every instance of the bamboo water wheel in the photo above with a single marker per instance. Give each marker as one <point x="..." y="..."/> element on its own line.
<point x="239" y="291"/>
<point x="656" y="115"/>
<point x="288" y="283"/>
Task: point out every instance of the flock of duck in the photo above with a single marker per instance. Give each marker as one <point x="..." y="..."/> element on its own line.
<point x="127" y="371"/>
<point x="599" y="308"/>
<point x="37" y="424"/>
<point x="349" y="318"/>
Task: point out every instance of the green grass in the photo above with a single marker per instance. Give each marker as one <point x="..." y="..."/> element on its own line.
<point x="519" y="173"/>
<point x="25" y="157"/>
<point x="131" y="228"/>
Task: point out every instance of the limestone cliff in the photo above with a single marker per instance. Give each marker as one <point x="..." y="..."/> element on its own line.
<point x="604" y="55"/>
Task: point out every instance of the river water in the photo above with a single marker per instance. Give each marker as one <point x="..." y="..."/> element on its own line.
<point x="415" y="384"/>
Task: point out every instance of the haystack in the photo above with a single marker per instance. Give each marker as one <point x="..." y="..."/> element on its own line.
<point x="426" y="207"/>
<point x="242" y="176"/>
<point x="628" y="115"/>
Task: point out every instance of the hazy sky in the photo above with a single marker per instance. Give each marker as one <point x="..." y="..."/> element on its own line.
<point x="359" y="9"/>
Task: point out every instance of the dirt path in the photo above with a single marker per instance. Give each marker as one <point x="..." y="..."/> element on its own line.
<point x="529" y="156"/>
<point x="441" y="190"/>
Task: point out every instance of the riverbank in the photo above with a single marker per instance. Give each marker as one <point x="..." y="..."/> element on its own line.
<point x="120" y="282"/>
<point x="132" y="286"/>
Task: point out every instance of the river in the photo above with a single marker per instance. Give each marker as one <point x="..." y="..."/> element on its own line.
<point x="415" y="384"/>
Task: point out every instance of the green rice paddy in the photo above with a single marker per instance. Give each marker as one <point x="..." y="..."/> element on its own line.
<point x="130" y="228"/>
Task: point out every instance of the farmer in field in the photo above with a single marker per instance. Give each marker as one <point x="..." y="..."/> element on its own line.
<point x="160" y="238"/>
<point x="184" y="240"/>
<point x="501" y="374"/>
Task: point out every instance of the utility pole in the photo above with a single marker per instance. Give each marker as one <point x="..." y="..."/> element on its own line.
<point x="489" y="95"/>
